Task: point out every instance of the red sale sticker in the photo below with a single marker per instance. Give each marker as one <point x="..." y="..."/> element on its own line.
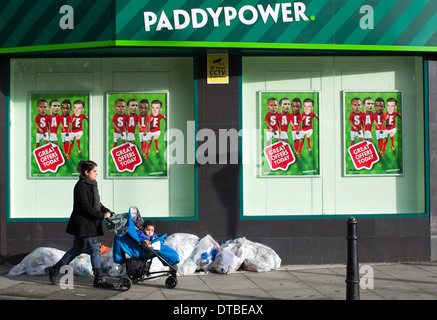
<point x="363" y="155"/>
<point x="126" y="157"/>
<point x="279" y="156"/>
<point x="49" y="157"/>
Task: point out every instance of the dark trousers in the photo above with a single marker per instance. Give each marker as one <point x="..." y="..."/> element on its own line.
<point x="79" y="243"/>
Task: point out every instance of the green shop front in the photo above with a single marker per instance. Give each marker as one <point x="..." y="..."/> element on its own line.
<point x="274" y="121"/>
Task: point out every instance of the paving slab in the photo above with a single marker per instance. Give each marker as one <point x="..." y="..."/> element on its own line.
<point x="397" y="281"/>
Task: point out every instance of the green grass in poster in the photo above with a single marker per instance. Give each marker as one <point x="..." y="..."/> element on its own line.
<point x="69" y="168"/>
<point x="391" y="162"/>
<point x="308" y="161"/>
<point x="155" y="164"/>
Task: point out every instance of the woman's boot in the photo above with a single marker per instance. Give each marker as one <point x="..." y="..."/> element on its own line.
<point x="99" y="281"/>
<point x="54" y="271"/>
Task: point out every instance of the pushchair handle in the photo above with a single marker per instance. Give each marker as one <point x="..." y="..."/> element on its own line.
<point x="110" y="221"/>
<point x="113" y="218"/>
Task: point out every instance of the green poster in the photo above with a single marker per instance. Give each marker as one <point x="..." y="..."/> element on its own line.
<point x="289" y="122"/>
<point x="374" y="121"/>
<point x="59" y="134"/>
<point x="136" y="128"/>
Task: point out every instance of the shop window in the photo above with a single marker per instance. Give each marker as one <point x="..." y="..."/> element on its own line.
<point x="321" y="179"/>
<point x="131" y="173"/>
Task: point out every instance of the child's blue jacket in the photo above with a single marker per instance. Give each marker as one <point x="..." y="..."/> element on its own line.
<point x="142" y="236"/>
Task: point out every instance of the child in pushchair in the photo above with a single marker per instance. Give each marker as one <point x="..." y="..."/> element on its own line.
<point x="137" y="254"/>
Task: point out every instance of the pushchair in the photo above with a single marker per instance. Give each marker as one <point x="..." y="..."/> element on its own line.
<point x="137" y="255"/>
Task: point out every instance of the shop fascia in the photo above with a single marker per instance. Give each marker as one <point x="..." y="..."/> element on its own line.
<point x="197" y="18"/>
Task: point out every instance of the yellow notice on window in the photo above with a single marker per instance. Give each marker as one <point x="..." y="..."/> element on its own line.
<point x="218" y="71"/>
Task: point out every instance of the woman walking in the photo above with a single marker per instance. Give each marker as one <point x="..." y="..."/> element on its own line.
<point x="85" y="223"/>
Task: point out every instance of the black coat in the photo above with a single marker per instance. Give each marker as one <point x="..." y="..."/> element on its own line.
<point x="85" y="220"/>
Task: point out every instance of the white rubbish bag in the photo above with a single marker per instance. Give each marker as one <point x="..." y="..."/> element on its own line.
<point x="37" y="261"/>
<point x="201" y="258"/>
<point x="82" y="265"/>
<point x="205" y="252"/>
<point x="259" y="257"/>
<point x="183" y="243"/>
<point x="226" y="261"/>
<point x="245" y="254"/>
<point x="228" y="258"/>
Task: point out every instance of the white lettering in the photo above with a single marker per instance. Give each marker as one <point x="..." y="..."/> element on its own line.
<point x="230" y="14"/>
<point x="286" y="12"/>
<point x="164" y="22"/>
<point x="196" y="23"/>
<point x="149" y="19"/>
<point x="247" y="14"/>
<point x="176" y="15"/>
<point x="366" y="21"/>
<point x="67" y="280"/>
<point x="175" y="149"/>
<point x="67" y="20"/>
<point x="269" y="12"/>
<point x="299" y="11"/>
<point x="239" y="309"/>
<point x="254" y="15"/>
<point x="206" y="152"/>
<point x="366" y="281"/>
<point x="184" y="310"/>
<point x="215" y="15"/>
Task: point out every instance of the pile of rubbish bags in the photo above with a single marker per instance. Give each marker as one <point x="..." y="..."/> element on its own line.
<point x="208" y="256"/>
<point x="196" y="255"/>
<point x="38" y="260"/>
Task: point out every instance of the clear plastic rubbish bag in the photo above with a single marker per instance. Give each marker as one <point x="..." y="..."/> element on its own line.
<point x="183" y="244"/>
<point x="201" y="258"/>
<point x="245" y="254"/>
<point x="36" y="261"/>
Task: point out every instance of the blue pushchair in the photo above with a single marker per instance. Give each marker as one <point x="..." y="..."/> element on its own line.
<point x="137" y="255"/>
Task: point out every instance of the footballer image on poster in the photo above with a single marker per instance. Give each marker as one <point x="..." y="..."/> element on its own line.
<point x="289" y="123"/>
<point x="373" y="133"/>
<point x="59" y="133"/>
<point x="136" y="128"/>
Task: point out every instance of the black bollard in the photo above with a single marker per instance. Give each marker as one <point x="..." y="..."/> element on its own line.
<point x="352" y="271"/>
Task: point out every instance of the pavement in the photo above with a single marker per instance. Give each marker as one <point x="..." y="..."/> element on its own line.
<point x="380" y="281"/>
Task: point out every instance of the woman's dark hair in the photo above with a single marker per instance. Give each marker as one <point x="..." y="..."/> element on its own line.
<point x="87" y="165"/>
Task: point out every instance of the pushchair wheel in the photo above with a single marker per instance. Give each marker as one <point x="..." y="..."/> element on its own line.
<point x="124" y="283"/>
<point x="171" y="282"/>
